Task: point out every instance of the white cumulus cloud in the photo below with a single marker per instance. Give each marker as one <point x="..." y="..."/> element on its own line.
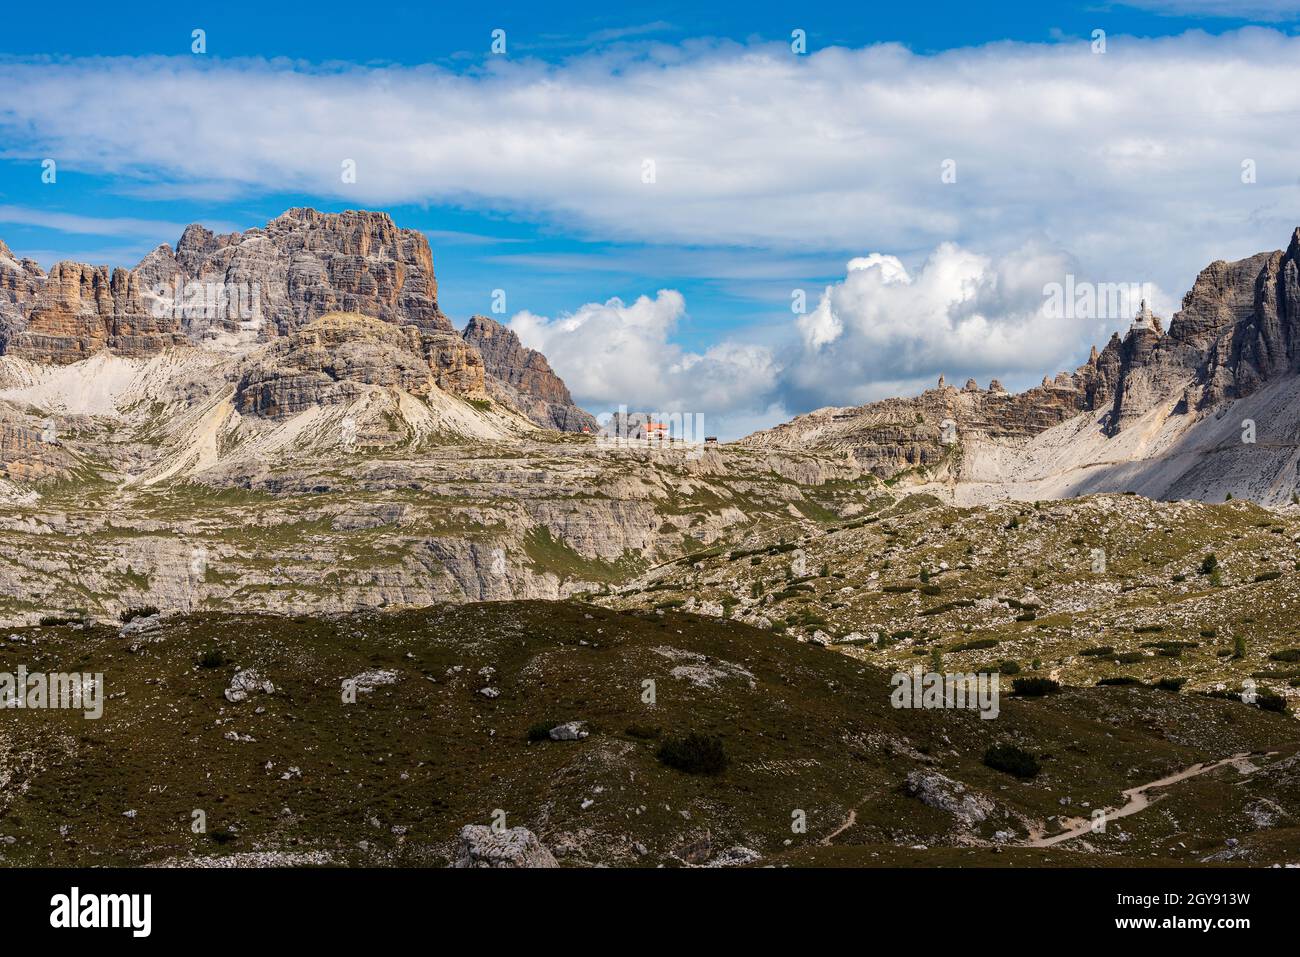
<point x="882" y="330"/>
<point x="613" y="354"/>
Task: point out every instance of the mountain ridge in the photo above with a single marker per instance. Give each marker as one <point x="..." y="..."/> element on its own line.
<point x="235" y="291"/>
<point x="1234" y="343"/>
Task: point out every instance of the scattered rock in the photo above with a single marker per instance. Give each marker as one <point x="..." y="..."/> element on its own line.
<point x="569" y="731"/>
<point x="735" y="857"/>
<point x="244" y="683"/>
<point x="368" y="681"/>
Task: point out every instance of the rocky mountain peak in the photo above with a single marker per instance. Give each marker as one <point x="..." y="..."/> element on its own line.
<point x="241" y="289"/>
<point x="257" y="285"/>
<point x="1237" y="334"/>
<point x="523" y="378"/>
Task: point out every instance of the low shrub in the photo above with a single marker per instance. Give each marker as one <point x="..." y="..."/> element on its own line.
<point x="1034" y="687"/>
<point x="693" y="753"/>
<point x="975" y="645"/>
<point x="52" y="620"/>
<point x="1276" y="673"/>
<point x="1270" y="701"/>
<point x="541" y="731"/>
<point x="1012" y="760"/>
<point x="1101" y="651"/>
<point x="949" y="606"/>
<point x="213" y="658"/>
<point x="144" y="611"/>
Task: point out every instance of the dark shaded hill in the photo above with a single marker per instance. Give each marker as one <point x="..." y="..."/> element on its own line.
<point x="294" y="775"/>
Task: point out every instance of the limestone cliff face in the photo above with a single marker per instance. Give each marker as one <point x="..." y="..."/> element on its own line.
<point x="325" y="363"/>
<point x="29" y="453"/>
<point x="924" y="432"/>
<point x="523" y="378"/>
<point x="308" y="264"/>
<point x="1238" y="328"/>
<point x="457" y="366"/>
<point x="81" y="309"/>
<point x="20" y="280"/>
<point x="1237" y="331"/>
<point x="260" y="284"/>
<point x="268" y="284"/>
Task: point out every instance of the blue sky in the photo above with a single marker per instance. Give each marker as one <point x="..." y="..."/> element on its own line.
<point x="774" y="171"/>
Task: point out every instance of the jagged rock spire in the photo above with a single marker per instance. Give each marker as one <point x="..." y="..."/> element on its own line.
<point x="1144" y="318"/>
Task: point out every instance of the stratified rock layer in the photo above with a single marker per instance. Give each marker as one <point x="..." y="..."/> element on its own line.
<point x="236" y="290"/>
<point x="20" y="281"/>
<point x="524" y="379"/>
<point x="262" y="283"/>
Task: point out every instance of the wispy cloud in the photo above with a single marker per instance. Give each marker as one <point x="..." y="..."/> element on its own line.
<point x="159" y="231"/>
<point x="453" y="237"/>
<point x="597" y="37"/>
<point x="1133" y="156"/>
<point x="1268" y="11"/>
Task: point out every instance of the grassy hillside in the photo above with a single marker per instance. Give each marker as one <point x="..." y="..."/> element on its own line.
<point x="297" y="775"/>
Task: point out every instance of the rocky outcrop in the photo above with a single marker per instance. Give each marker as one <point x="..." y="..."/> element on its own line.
<point x="81" y="310"/>
<point x="942" y="792"/>
<point x="894" y="436"/>
<point x="323" y="363"/>
<point x="307" y="264"/>
<point x="569" y="731"/>
<point x="524" y="379"/>
<point x="32" y="453"/>
<point x="327" y="361"/>
<point x="481" y="846"/>
<point x="457" y="366"/>
<point x="245" y="682"/>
